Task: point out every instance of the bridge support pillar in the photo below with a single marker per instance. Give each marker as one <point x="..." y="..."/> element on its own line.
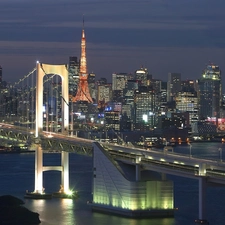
<point x="138" y="168"/>
<point x="202" y="201"/>
<point x="38" y="170"/>
<point x="65" y="171"/>
<point x="202" y="169"/>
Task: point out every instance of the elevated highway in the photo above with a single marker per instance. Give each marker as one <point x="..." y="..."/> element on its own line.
<point x="208" y="172"/>
<point x="165" y="161"/>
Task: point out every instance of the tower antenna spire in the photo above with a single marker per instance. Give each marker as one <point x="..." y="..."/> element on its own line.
<point x="83" y="93"/>
<point x="83" y="21"/>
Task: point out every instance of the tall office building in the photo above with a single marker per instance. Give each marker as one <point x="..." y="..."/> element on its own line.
<point x="187" y="101"/>
<point x="163" y="92"/>
<point x="145" y="112"/>
<point x="102" y="80"/>
<point x="73" y="75"/>
<point x="142" y="76"/>
<point x="128" y="91"/>
<point x="104" y="93"/>
<point x="173" y="85"/>
<point x="92" y="86"/>
<point x="188" y="85"/>
<point x="128" y="105"/>
<point x="210" y="92"/>
<point x="119" y="81"/>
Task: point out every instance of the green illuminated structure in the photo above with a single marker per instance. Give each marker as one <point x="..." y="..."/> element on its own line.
<point x="118" y="188"/>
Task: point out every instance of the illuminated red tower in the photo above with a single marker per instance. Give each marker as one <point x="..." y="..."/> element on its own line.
<point x="83" y="93"/>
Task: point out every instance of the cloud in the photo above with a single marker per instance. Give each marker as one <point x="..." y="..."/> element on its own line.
<point x="121" y="34"/>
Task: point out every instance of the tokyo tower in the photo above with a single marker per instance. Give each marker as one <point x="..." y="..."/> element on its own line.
<point x="83" y="93"/>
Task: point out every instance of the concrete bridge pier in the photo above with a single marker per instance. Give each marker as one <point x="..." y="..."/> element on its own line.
<point x="202" y="197"/>
<point x="65" y="170"/>
<point x="202" y="201"/>
<point x="38" y="169"/>
<point x="202" y="187"/>
<point x="138" y="168"/>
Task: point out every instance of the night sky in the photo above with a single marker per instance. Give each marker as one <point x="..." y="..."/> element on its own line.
<point x="122" y="35"/>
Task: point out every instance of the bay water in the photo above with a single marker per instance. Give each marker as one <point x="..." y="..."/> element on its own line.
<point x="17" y="176"/>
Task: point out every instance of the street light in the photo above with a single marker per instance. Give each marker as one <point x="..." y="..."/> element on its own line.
<point x="220" y="152"/>
<point x="190" y="148"/>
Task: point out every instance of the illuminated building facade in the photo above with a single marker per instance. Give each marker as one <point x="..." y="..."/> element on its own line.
<point x="173" y="85"/>
<point x="73" y="75"/>
<point x="119" y="81"/>
<point x="210" y="92"/>
<point x="163" y="98"/>
<point x="83" y="90"/>
<point x="112" y="120"/>
<point x="187" y="101"/>
<point x="144" y="99"/>
<point x="128" y="104"/>
<point x="104" y="93"/>
<point x="143" y="77"/>
<point x="92" y="86"/>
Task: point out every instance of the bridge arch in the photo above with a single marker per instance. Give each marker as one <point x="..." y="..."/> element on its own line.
<point x="42" y="70"/>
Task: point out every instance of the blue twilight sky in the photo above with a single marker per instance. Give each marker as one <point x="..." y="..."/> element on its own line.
<point x="122" y="35"/>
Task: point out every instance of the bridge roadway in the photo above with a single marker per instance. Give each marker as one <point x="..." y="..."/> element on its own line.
<point x="156" y="160"/>
<point x="170" y="163"/>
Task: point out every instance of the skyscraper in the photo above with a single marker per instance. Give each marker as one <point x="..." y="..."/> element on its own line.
<point x="187" y="101"/>
<point x="119" y="81"/>
<point x="210" y="92"/>
<point x="144" y="99"/>
<point x="73" y="75"/>
<point x="173" y="85"/>
<point x="92" y="86"/>
<point x="142" y="76"/>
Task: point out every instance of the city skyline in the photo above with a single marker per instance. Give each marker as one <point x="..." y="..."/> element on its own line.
<point x="121" y="36"/>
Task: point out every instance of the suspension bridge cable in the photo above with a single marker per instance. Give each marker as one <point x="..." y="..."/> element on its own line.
<point x="24" y="92"/>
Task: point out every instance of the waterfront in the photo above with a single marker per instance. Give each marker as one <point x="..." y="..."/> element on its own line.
<point x="17" y="176"/>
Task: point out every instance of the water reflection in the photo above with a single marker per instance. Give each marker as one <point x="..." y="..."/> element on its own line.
<point x="58" y="211"/>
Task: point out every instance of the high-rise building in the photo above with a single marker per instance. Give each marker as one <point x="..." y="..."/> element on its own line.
<point x="210" y="92"/>
<point x="173" y="85"/>
<point x="73" y="75"/>
<point x="142" y="76"/>
<point x="163" y="92"/>
<point x="112" y="120"/>
<point x="188" y="85"/>
<point x="92" y="86"/>
<point x="119" y="81"/>
<point x="129" y="90"/>
<point x="104" y="93"/>
<point x="102" y="80"/>
<point x="187" y="101"/>
<point x="128" y="104"/>
<point x="144" y="99"/>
